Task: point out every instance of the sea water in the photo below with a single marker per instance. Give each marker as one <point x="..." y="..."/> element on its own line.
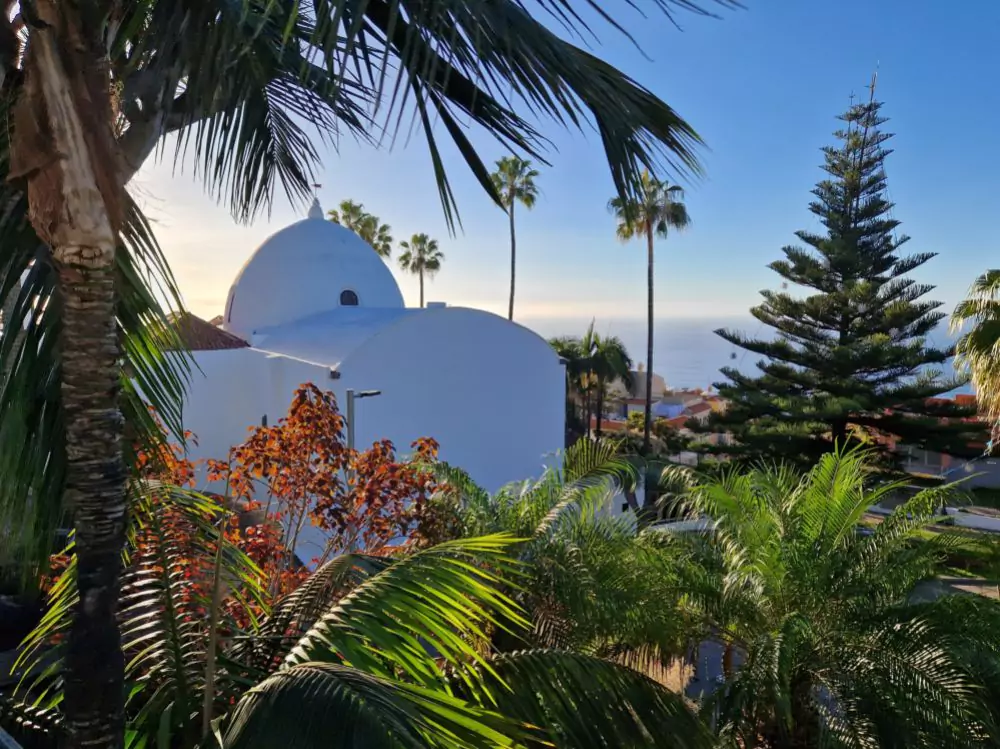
<point x="686" y="350"/>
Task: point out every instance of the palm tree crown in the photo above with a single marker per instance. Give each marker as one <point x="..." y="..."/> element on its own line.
<point x="369" y="227"/>
<point x="610" y="362"/>
<point x="421" y="257"/>
<point x="658" y="209"/>
<point x="514" y="180"/>
<point x="978" y="350"/>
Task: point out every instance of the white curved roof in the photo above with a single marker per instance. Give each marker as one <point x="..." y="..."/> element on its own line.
<point x="302" y="270"/>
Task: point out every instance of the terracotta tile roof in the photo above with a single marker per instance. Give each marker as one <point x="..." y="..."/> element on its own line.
<point x="699" y="408"/>
<point x="609" y="425"/>
<point x="200" y="335"/>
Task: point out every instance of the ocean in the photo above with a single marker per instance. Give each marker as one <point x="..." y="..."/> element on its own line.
<point x="686" y="351"/>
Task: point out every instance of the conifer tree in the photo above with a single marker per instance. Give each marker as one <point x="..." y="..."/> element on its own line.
<point x="849" y="359"/>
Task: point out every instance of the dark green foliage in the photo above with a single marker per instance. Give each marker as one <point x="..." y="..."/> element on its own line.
<point x="830" y="641"/>
<point x="850" y="360"/>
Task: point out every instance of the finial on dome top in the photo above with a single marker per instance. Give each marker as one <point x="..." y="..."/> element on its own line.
<point x="315" y="210"/>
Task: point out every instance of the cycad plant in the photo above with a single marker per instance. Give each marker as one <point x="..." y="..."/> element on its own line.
<point x="422" y="257"/>
<point x="654" y="212"/>
<point x="978" y="349"/>
<point x="825" y="643"/>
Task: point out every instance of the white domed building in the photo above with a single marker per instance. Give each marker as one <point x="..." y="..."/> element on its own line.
<point x="315" y="303"/>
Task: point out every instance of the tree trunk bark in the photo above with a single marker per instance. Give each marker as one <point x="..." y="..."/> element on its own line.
<point x="513" y="266"/>
<point x="95" y="490"/>
<point x="421" y="288"/>
<point x="8" y="330"/>
<point x="64" y="147"/>
<point x="648" y="420"/>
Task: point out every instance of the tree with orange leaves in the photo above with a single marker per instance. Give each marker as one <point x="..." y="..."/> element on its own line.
<point x="364" y="501"/>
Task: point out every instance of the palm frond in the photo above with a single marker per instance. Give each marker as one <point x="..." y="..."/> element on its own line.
<point x="295" y="614"/>
<point x="249" y="74"/>
<point x="161" y="614"/>
<point x="439" y="600"/>
<point x="349" y="708"/>
<point x="584" y="702"/>
<point x="31" y="727"/>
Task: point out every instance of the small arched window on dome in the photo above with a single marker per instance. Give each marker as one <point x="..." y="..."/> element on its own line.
<point x="348" y="298"/>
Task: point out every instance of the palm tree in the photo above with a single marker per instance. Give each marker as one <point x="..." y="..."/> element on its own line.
<point x="381" y="651"/>
<point x="378" y="235"/>
<point x="827" y="641"/>
<point x="369" y="227"/>
<point x="570" y="350"/>
<point x="592" y="581"/>
<point x="514" y="182"/>
<point x="348" y="214"/>
<point x="422" y="257"/>
<point x="658" y="208"/>
<point x="978" y="350"/>
<point x="610" y="362"/>
<point x="236" y="84"/>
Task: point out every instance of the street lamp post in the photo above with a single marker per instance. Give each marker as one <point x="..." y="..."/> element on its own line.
<point x="351" y="397"/>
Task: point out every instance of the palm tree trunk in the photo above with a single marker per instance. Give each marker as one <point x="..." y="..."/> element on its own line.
<point x="74" y="205"/>
<point x="421" y="287"/>
<point x="513" y="265"/>
<point x="8" y="329"/>
<point x="600" y="406"/>
<point x="648" y="420"/>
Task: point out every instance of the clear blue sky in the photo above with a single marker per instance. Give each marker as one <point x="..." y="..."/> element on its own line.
<point x="762" y="86"/>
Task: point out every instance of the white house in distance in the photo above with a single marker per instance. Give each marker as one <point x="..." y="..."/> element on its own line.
<point x="315" y="303"/>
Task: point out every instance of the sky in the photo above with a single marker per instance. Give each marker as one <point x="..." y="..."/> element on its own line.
<point x="761" y="85"/>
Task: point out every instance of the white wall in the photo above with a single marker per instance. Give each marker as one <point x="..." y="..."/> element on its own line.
<point x="491" y="393"/>
<point x="235" y="389"/>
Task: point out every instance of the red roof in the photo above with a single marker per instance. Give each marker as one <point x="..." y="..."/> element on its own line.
<point x="198" y="335"/>
<point x="699" y="408"/>
<point x="609" y="425"/>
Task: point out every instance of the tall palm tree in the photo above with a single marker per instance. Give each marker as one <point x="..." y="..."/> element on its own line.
<point x="422" y="257"/>
<point x="514" y="182"/>
<point x="657" y="209"/>
<point x="978" y="350"/>
<point x="826" y="639"/>
<point x="235" y="83"/>
<point x="610" y="362"/>
<point x="369" y="227"/>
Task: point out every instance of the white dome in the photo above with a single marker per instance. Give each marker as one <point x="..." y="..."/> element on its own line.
<point x="312" y="266"/>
